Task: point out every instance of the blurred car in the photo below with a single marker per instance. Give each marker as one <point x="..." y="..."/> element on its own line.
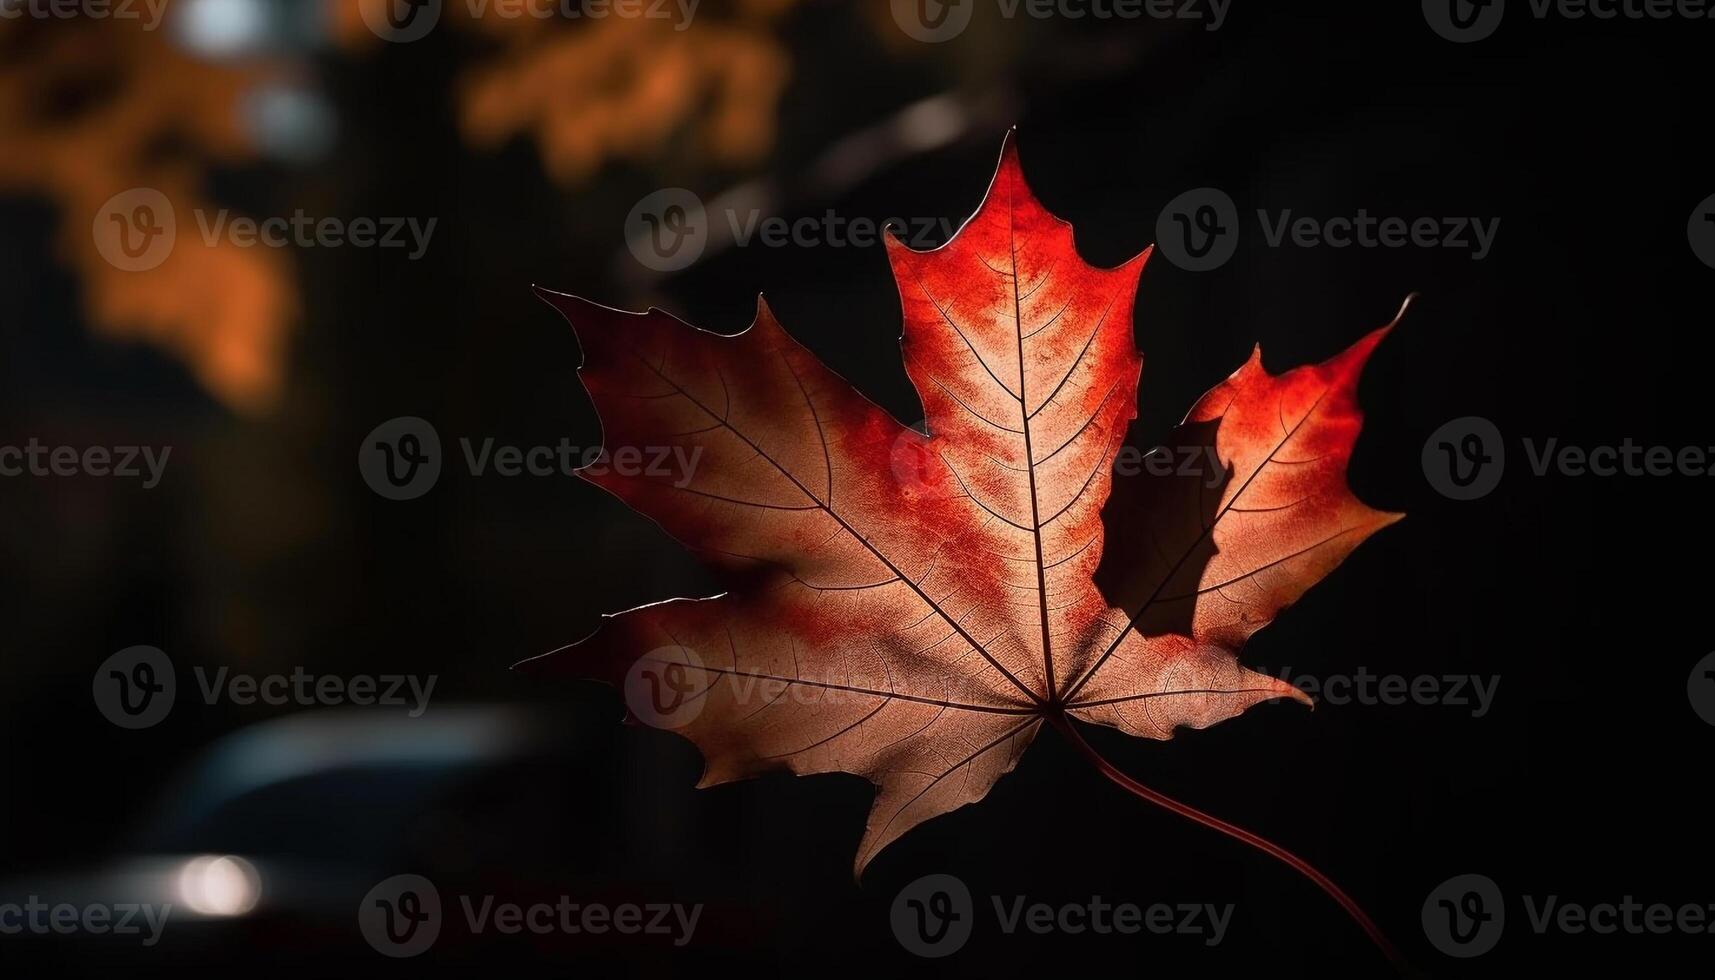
<point x="267" y="855"/>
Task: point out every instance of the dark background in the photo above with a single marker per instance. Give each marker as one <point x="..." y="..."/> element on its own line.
<point x="263" y="549"/>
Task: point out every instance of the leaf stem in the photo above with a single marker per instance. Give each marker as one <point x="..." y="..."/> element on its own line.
<point x="1106" y="768"/>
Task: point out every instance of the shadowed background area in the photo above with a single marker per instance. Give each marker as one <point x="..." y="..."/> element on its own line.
<point x="529" y="141"/>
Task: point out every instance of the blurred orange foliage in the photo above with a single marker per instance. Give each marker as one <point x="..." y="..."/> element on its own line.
<point x="94" y="108"/>
<point x="91" y="109"/>
<point x="620" y="87"/>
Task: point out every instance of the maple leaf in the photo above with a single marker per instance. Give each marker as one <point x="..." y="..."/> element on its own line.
<point x="912" y="607"/>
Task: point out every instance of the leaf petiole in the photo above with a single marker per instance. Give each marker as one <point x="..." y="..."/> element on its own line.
<point x="1106" y="768"/>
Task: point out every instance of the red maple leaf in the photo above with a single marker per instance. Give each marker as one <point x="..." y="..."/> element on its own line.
<point x="913" y="608"/>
